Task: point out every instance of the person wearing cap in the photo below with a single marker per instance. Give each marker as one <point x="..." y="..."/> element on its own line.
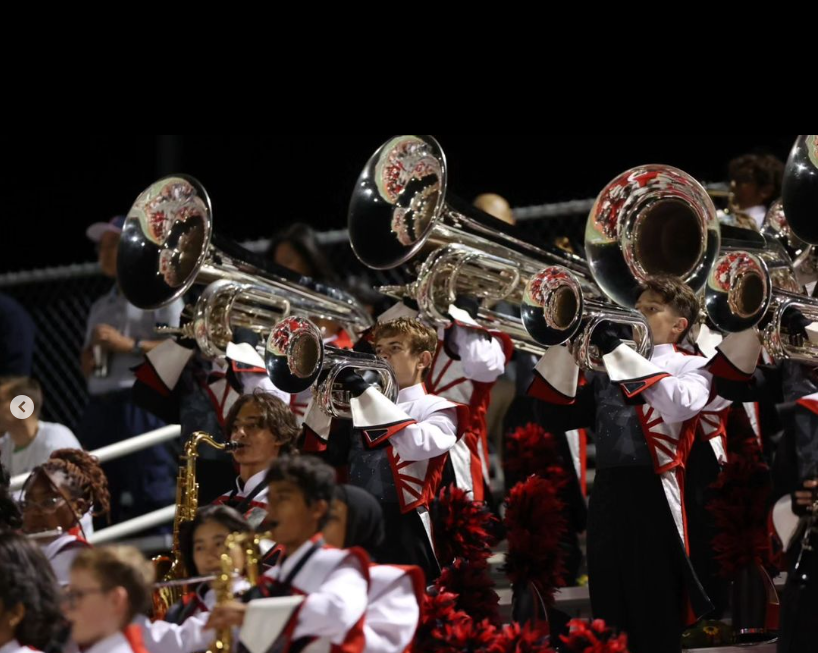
<point x="118" y="335"/>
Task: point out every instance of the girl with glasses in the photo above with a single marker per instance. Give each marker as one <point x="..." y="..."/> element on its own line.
<point x="56" y="496"/>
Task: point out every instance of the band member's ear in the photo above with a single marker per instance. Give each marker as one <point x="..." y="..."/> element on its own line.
<point x="118" y="597"/>
<point x="319" y="509"/>
<point x="681" y="325"/>
<point x="15" y="615"/>
<point x="425" y="360"/>
<point x="79" y="507"/>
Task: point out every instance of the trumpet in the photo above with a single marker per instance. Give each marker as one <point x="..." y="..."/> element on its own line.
<point x="296" y="357"/>
<point x="739" y="290"/>
<point x="783" y="345"/>
<point x="555" y="311"/>
<point x="754" y="283"/>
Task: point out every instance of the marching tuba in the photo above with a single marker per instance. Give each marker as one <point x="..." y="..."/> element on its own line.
<point x="168" y="244"/>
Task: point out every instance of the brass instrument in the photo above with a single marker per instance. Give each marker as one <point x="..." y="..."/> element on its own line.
<point x="555" y="310"/>
<point x="296" y="356"/>
<point x="168" y="244"/>
<point x="401" y="211"/>
<point x="803" y="255"/>
<point x="783" y="345"/>
<point x="799" y="191"/>
<point x="250" y="545"/>
<point x="754" y="282"/>
<point x="171" y="568"/>
<point x="650" y="220"/>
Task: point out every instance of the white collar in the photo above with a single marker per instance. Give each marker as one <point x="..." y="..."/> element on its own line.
<point x="110" y="644"/>
<point x="412" y="393"/>
<point x="292" y="560"/>
<point x="757" y="213"/>
<point x="663" y="350"/>
<point x="55" y="546"/>
<point x="254" y="481"/>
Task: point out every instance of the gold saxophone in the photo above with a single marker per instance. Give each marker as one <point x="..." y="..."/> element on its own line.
<point x="172" y="567"/>
<point x="223" y="583"/>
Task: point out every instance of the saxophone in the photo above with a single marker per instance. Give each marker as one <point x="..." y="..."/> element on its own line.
<point x="172" y="568"/>
<point x="250" y="544"/>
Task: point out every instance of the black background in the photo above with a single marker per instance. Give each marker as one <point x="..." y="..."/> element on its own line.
<point x="53" y="187"/>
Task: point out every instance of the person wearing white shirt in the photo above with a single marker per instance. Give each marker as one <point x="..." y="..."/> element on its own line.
<point x="645" y="414"/>
<point x="56" y="497"/>
<point x="109" y="587"/>
<point x="263" y="427"/>
<point x="333" y="582"/>
<point x="28" y="442"/>
<point x="398" y="450"/>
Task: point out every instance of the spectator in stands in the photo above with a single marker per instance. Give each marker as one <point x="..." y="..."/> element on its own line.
<point x="755" y="183"/>
<point x="117" y="336"/>
<point x="16" y="338"/>
<point x="28" y="442"/>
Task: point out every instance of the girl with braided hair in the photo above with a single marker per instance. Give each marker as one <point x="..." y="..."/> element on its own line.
<point x="56" y="496"/>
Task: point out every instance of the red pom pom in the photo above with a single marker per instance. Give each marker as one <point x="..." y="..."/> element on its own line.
<point x="474" y="587"/>
<point x="739" y="508"/>
<point x="535" y="525"/>
<point x="514" y="638"/>
<point x="530" y="449"/>
<point x="463" y="528"/>
<point x="597" y="638"/>
<point x="465" y="533"/>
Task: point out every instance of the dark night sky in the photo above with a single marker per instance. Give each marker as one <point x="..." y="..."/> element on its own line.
<point x="53" y="187"/>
